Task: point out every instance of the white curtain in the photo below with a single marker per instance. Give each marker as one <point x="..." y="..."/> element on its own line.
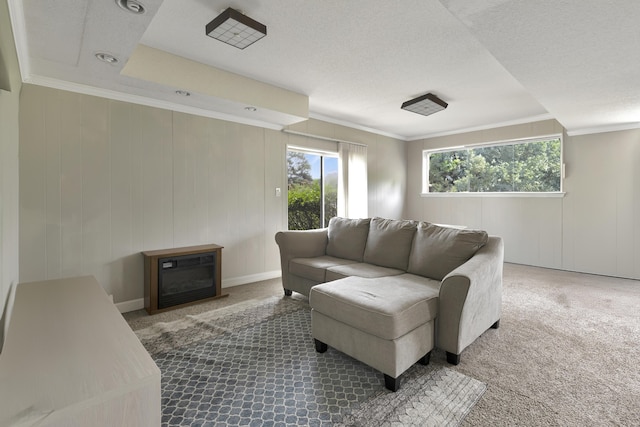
<point x="353" y="191"/>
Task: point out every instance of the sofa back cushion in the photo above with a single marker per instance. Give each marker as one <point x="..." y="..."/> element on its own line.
<point x="389" y="242"/>
<point x="436" y="250"/>
<point x="347" y="238"/>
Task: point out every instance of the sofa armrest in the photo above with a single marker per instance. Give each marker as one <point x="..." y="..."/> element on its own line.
<point x="470" y="298"/>
<point x="299" y="244"/>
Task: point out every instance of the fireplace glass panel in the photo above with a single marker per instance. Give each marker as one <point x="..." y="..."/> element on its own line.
<point x="186" y="278"/>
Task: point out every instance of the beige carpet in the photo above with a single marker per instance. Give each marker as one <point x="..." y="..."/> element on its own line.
<point x="566" y="353"/>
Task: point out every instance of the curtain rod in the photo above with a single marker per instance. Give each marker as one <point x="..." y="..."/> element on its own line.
<point x="295" y="132"/>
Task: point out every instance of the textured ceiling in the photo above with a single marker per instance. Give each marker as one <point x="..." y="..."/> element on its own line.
<point x="580" y="59"/>
<point x="493" y="61"/>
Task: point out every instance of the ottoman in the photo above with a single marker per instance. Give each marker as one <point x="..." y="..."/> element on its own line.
<point x="387" y="322"/>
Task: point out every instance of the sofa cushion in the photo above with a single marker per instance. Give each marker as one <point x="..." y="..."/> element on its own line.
<point x="389" y="242"/>
<point x="421" y="280"/>
<point x="347" y="238"/>
<point x="315" y="268"/>
<point x="388" y="307"/>
<point x="360" y="269"/>
<point x="436" y="250"/>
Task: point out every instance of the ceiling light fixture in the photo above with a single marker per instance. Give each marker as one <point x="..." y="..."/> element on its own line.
<point x="108" y="58"/>
<point x="425" y="104"/>
<point x="132" y="6"/>
<point x="236" y="29"/>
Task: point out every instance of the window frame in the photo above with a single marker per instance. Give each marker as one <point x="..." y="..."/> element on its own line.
<point x="426" y="164"/>
<point x="322" y="154"/>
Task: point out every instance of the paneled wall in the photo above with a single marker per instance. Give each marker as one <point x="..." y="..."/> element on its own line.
<point x="10" y="84"/>
<point x="8" y="198"/>
<point x="102" y="180"/>
<point x="592" y="229"/>
<point x="601" y="211"/>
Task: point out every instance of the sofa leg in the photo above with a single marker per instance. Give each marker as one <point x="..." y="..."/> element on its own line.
<point x="391" y="383"/>
<point x="453" y="358"/>
<point x="320" y="346"/>
<point x="424" y="360"/>
<point x="288" y="292"/>
<point x="496" y="325"/>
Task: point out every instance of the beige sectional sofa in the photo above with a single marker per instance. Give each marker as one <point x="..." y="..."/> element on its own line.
<point x="461" y="268"/>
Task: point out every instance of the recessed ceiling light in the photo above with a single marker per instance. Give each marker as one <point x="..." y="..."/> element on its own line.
<point x="252" y="109"/>
<point x="183" y="93"/>
<point x="132" y="6"/>
<point x="105" y="57"/>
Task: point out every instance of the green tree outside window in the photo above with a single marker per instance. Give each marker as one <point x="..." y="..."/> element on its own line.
<point x="312" y="197"/>
<point x="533" y="166"/>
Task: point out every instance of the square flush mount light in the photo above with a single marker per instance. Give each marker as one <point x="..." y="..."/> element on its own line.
<point x="236" y="29"/>
<point x="425" y="104"/>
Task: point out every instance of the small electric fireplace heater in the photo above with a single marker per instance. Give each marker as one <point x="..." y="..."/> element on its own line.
<point x="182" y="276"/>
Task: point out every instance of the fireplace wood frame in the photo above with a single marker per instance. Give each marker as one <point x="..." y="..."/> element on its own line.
<point x="151" y="259"/>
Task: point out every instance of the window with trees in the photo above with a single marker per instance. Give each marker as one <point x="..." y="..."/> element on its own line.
<point x="524" y="166"/>
<point x="312" y="188"/>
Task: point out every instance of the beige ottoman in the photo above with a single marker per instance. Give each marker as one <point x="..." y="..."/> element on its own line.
<point x="387" y="323"/>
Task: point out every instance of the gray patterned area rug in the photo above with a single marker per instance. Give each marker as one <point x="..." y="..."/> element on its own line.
<point x="255" y="364"/>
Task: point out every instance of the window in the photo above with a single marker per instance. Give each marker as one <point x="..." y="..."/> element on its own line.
<point x="524" y="166"/>
<point x="312" y="188"/>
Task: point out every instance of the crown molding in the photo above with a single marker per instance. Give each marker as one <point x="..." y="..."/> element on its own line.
<point x="531" y="119"/>
<point x="603" y="129"/>
<point x="16" y="12"/>
<point x="345" y="123"/>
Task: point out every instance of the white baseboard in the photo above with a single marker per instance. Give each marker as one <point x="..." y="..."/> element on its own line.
<point x="252" y="278"/>
<point x="133" y="305"/>
<point x="138" y="304"/>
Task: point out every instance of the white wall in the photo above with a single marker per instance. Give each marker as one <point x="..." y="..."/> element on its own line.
<point x="103" y="180"/>
<point x="8" y="193"/>
<point x="601" y="211"/>
<point x="9" y="137"/>
<point x="593" y="229"/>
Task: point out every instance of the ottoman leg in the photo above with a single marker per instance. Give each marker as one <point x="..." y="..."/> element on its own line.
<point x="453" y="358"/>
<point x="320" y="346"/>
<point x="391" y="383"/>
<point x="424" y="360"/>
